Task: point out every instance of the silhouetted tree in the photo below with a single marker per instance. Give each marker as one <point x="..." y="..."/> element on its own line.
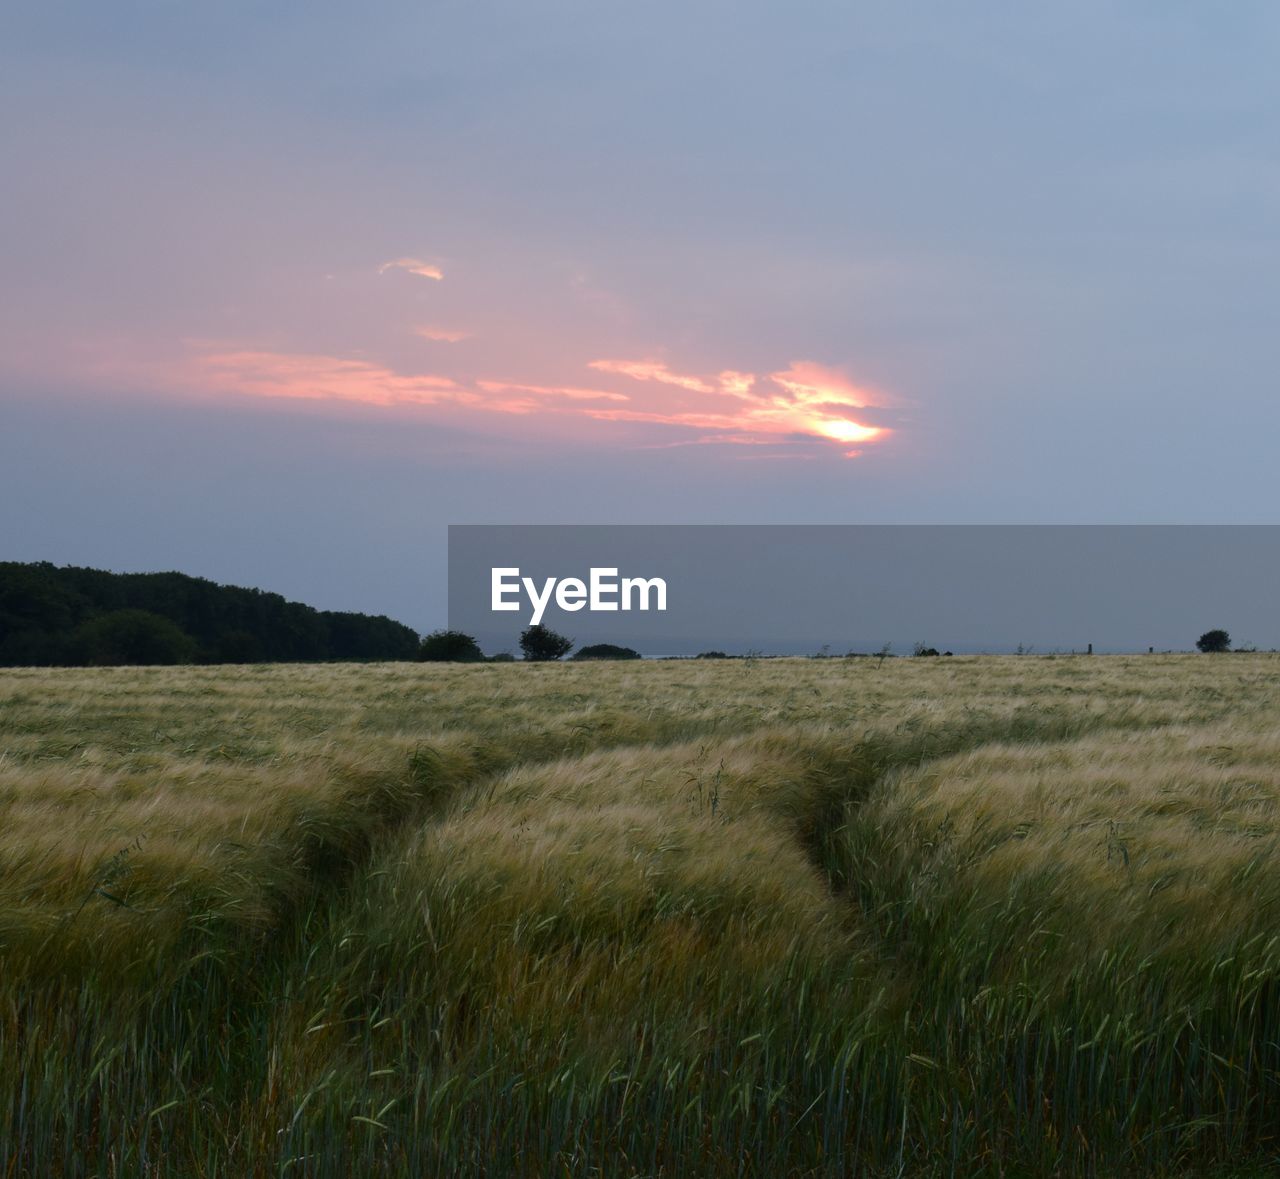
<point x="1214" y="641"/>
<point x="450" y="646"/>
<point x="541" y="645"/>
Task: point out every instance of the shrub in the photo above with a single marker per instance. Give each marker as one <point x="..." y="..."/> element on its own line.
<point x="541" y="645"/>
<point x="606" y="651"/>
<point x="450" y="646"/>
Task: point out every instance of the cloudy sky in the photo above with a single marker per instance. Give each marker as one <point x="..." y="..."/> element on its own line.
<point x="287" y="288"/>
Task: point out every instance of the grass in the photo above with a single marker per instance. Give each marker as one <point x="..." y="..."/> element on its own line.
<point x="1006" y="916"/>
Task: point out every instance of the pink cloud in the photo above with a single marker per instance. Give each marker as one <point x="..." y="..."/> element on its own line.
<point x="567" y="391"/>
<point x="316" y="377"/>
<point x="739" y="384"/>
<point x="442" y="335"/>
<point x="413" y="266"/>
<point x="651" y="370"/>
<point x="310" y="376"/>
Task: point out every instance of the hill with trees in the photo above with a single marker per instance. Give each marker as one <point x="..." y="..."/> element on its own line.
<point x="67" y="616"/>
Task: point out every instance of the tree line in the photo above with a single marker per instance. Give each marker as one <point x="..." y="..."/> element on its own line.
<point x="54" y="616"/>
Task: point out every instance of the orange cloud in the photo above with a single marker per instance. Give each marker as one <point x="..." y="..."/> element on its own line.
<point x="442" y="335"/>
<point x="413" y="266"/>
<point x="809" y="399"/>
<point x="651" y="370"/>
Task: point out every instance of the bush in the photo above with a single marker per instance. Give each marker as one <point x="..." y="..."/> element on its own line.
<point x="502" y="657"/>
<point x="606" y="651"/>
<point x="711" y="655"/>
<point x="1214" y="641"/>
<point x="541" y="645"/>
<point x="921" y="650"/>
<point x="450" y="646"/>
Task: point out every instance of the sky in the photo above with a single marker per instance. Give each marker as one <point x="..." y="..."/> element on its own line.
<point x="286" y="289"/>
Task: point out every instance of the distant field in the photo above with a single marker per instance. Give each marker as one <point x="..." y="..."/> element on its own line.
<point x="1007" y="916"/>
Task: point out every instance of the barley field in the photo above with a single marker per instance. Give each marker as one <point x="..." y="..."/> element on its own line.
<point x="966" y="916"/>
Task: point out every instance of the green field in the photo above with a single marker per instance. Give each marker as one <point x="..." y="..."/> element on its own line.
<point x="1006" y="916"/>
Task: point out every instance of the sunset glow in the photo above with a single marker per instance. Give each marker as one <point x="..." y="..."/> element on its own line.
<point x="816" y="384"/>
<point x="732" y="407"/>
<point x="845" y="431"/>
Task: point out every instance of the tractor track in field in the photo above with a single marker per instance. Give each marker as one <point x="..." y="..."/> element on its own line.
<point x="846" y="773"/>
